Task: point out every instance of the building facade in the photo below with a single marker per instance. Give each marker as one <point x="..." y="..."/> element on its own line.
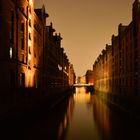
<point x="17" y="44"/>
<point x="72" y="76"/>
<point x="89" y="77"/>
<point x="117" y="69"/>
<point x="31" y="55"/>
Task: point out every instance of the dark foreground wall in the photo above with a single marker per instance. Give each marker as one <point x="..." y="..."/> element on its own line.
<point x="29" y="100"/>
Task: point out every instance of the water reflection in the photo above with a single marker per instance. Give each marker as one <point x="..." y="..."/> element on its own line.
<point x="101" y="116"/>
<point x="114" y="124"/>
<point x="82" y="125"/>
<point x="82" y="116"/>
<point x="94" y="119"/>
<point x="81" y="95"/>
<point x="66" y="119"/>
<point x="51" y="125"/>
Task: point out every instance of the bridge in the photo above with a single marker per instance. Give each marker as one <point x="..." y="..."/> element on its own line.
<point x="82" y="85"/>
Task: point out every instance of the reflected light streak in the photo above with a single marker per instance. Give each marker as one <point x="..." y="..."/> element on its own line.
<point x="80" y="90"/>
<point x="68" y="114"/>
<point x="81" y="96"/>
<point x="101" y="114"/>
<point x="65" y="121"/>
<point x="60" y="130"/>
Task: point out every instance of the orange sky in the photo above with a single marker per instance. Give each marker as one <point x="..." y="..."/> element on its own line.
<point x="86" y="26"/>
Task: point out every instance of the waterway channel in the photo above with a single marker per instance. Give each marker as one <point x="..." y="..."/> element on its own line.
<point x="81" y="116"/>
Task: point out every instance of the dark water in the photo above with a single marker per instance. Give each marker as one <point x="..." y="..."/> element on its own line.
<point x="83" y="116"/>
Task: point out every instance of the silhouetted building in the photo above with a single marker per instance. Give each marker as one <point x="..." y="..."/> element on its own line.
<point x="81" y="80"/>
<point x="89" y="77"/>
<point x="72" y="76"/>
<point x="57" y="63"/>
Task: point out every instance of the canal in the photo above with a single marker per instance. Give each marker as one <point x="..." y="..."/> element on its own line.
<point x="81" y="116"/>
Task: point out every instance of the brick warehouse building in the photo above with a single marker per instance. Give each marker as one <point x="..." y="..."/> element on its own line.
<point x="89" y="77"/>
<point x="117" y="69"/>
<point x="31" y="56"/>
<point x="20" y="24"/>
<point x="28" y="47"/>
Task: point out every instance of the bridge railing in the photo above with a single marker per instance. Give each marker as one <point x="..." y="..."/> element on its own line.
<point x="82" y="85"/>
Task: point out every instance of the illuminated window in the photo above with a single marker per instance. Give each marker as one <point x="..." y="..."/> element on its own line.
<point x="11" y="34"/>
<point x="11" y="52"/>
